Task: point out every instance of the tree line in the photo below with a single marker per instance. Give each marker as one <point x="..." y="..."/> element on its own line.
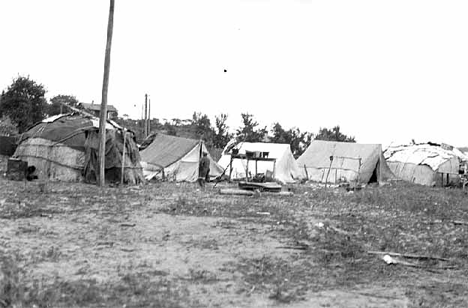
<point x="23" y="104"/>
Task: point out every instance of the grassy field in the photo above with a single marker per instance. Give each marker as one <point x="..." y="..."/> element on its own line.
<point x="171" y="245"/>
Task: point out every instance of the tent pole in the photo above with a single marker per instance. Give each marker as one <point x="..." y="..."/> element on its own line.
<point x="247" y="171"/>
<point x="200" y="151"/>
<point x="199" y="159"/>
<point x="230" y="169"/>
<point x="146" y="115"/>
<point x="274" y="168"/>
<point x="329" y="168"/>
<point x="123" y="158"/>
<point x="224" y="172"/>
<point x="359" y="170"/>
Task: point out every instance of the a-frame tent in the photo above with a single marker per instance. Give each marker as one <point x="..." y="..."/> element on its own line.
<point x="335" y="162"/>
<point x="175" y="159"/>
<point x="284" y="168"/>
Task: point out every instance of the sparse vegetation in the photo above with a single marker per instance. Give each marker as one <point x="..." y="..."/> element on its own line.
<point x="168" y="245"/>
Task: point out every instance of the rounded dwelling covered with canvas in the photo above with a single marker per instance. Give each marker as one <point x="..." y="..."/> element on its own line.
<point x="425" y="164"/>
<point x="65" y="148"/>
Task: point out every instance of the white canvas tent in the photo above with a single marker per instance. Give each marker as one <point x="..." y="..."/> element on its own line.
<point x="284" y="169"/>
<point x="175" y="159"/>
<point x="425" y="164"/>
<point x="333" y="162"/>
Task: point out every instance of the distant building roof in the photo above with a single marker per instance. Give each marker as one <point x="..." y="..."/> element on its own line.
<point x="97" y="107"/>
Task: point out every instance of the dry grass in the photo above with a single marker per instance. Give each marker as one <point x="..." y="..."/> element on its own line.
<point x="326" y="233"/>
<point x="401" y="218"/>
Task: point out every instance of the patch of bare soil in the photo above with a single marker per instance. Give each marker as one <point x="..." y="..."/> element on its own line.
<point x="371" y="297"/>
<point x="193" y="250"/>
<point x="71" y="238"/>
<point x="168" y="245"/>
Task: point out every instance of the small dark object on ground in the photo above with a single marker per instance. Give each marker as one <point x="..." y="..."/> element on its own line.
<point x="42" y="187"/>
<point x="30" y="173"/>
<point x="351" y="186"/>
<point x="259" y="178"/>
<point x="16" y="169"/>
<point x="272" y="187"/>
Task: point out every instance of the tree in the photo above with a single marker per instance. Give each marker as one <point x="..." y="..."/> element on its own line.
<point x="169" y="129"/>
<point x="7" y="127"/>
<point x="203" y="127"/>
<point x="221" y="133"/>
<point x="279" y="134"/>
<point x="248" y="132"/>
<point x="298" y="141"/>
<point x="24" y="102"/>
<point x="333" y="134"/>
<point x="176" y="121"/>
<point x="56" y="107"/>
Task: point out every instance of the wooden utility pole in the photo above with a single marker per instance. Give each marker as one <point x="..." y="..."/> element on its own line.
<point x="146" y="115"/>
<point x="149" y="116"/>
<point x="105" y="86"/>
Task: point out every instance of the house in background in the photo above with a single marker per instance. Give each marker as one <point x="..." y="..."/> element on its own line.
<point x="95" y="109"/>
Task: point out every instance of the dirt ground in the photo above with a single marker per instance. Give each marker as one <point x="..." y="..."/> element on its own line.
<point x="171" y="245"/>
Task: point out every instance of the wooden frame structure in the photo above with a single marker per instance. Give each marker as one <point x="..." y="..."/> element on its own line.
<point x="248" y="158"/>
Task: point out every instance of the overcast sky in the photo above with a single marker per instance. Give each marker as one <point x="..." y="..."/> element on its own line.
<point x="383" y="70"/>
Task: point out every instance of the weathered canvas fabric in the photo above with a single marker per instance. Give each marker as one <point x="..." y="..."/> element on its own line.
<point x="351" y="162"/>
<point x="424" y="164"/>
<point x="66" y="147"/>
<point x="174" y="158"/>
